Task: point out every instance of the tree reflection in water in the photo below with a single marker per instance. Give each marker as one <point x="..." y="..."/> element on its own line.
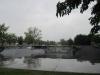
<point x="92" y="61"/>
<point x="5" y="60"/>
<point x="1" y="59"/>
<point x="32" y="62"/>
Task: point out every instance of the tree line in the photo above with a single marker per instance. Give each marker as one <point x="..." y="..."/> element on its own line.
<point x="33" y="37"/>
<point x="82" y="39"/>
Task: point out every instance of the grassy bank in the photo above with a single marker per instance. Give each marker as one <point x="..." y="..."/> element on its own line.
<point x="5" y="71"/>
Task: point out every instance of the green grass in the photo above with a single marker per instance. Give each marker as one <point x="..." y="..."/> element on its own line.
<point x="5" y="71"/>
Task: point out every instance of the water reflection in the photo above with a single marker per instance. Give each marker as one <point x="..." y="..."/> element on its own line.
<point x="31" y="62"/>
<point x="5" y="60"/>
<point x="1" y="59"/>
<point x="49" y="64"/>
<point x="92" y="61"/>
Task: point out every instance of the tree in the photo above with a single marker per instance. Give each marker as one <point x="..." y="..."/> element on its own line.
<point x="33" y="35"/>
<point x="50" y="42"/>
<point x="82" y="40"/>
<point x="66" y="42"/>
<point x="66" y="7"/>
<point x="11" y="38"/>
<point x="70" y="42"/>
<point x="3" y="31"/>
<point x="20" y="40"/>
<point x="96" y="39"/>
<point x="63" y="42"/>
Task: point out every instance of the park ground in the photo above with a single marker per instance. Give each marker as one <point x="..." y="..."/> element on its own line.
<point x="6" y="71"/>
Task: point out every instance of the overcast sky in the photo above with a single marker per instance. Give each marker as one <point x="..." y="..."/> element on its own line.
<point x="19" y="15"/>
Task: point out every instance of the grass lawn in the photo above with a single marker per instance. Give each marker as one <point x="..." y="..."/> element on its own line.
<point x="5" y="71"/>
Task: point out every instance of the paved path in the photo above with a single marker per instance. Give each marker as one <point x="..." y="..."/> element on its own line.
<point x="22" y="52"/>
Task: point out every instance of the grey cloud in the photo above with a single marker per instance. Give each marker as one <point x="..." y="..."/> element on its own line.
<point x="21" y="14"/>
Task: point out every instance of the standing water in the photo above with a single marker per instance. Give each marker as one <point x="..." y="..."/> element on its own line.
<point x="48" y="64"/>
<point x="22" y="59"/>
